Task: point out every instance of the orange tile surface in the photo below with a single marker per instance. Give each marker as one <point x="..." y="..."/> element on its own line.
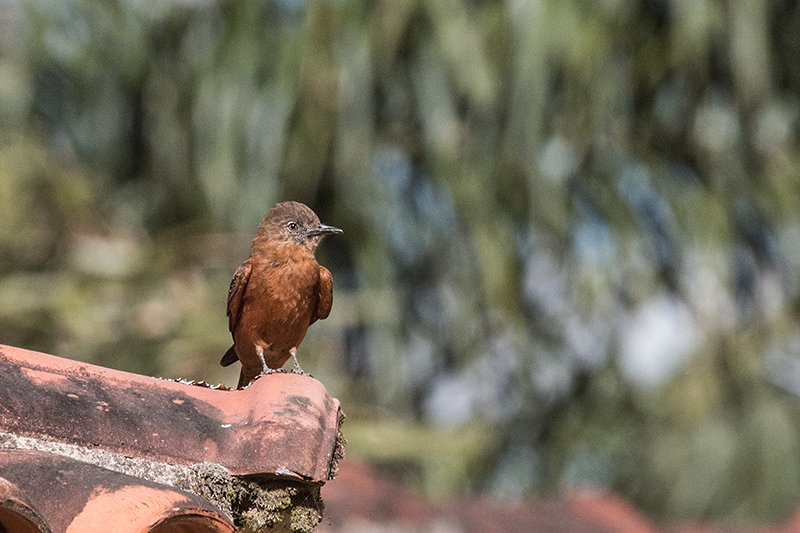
<point x="283" y="424"/>
<point x="75" y="497"/>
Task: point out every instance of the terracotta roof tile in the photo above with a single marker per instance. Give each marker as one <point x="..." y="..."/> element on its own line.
<point x="75" y="497"/>
<point x="284" y="424"/>
<point x="147" y="438"/>
<point x="17" y="514"/>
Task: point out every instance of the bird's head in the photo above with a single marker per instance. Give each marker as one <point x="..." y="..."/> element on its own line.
<point x="294" y="224"/>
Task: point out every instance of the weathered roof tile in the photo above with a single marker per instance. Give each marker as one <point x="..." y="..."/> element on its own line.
<point x="69" y="496"/>
<point x="283" y="424"/>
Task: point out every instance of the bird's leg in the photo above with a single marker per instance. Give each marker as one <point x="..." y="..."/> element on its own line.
<point x="264" y="368"/>
<point x="296" y="368"/>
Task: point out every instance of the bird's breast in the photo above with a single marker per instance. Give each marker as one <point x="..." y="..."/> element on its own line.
<point x="281" y="299"/>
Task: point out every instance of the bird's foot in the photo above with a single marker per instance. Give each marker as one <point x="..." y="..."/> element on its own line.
<point x="267" y="371"/>
<point x="297" y="370"/>
<point x="296" y="366"/>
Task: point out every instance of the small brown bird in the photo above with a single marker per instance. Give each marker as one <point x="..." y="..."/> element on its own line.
<point x="278" y="292"/>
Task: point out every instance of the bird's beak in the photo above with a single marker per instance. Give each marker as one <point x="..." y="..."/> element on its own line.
<point x="322" y="229"/>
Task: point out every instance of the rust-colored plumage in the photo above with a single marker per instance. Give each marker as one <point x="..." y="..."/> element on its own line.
<point x="278" y="292"/>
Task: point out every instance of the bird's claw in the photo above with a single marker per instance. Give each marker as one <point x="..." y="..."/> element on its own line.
<point x="267" y="371"/>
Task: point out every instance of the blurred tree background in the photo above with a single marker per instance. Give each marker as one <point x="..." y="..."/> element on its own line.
<point x="572" y="228"/>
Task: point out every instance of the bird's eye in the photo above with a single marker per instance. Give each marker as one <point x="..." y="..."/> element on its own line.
<point x="292" y="225"/>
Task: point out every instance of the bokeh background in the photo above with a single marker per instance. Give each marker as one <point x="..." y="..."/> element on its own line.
<point x="572" y="227"/>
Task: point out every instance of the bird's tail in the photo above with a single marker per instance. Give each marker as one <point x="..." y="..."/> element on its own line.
<point x="229" y="358"/>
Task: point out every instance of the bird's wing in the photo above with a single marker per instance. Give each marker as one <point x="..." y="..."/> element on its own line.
<point x="236" y="294"/>
<point x="325" y="295"/>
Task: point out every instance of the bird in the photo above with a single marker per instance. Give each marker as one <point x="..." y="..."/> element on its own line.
<point x="278" y="292"/>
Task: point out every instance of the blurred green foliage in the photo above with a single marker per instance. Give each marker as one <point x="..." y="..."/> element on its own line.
<point x="572" y="228"/>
